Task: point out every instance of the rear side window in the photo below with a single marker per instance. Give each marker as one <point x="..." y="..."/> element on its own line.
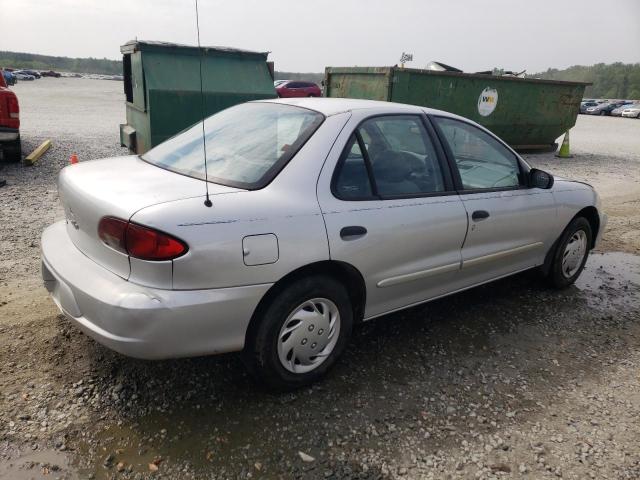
<point x="482" y="161"/>
<point x="389" y="157"/>
<point x="247" y="145"/>
<point x="353" y="181"/>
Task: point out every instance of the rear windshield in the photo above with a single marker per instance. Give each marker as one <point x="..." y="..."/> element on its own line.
<point x="247" y="145"/>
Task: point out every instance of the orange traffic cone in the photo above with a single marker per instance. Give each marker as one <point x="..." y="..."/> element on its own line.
<point x="73" y="159"/>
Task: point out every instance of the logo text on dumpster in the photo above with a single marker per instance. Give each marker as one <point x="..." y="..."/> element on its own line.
<point x="487" y="101"/>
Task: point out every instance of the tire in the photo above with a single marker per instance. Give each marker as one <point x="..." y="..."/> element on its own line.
<point x="576" y="240"/>
<point x="603" y="113"/>
<point x="272" y="354"/>
<point x="12" y="151"/>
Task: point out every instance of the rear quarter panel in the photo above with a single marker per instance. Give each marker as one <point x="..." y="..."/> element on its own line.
<point x="287" y="208"/>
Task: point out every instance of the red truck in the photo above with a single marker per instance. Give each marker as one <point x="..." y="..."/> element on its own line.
<point x="9" y="124"/>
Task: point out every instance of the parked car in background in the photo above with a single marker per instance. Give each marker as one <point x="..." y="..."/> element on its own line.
<point x="9" y="124"/>
<point x="9" y="77"/>
<point x="34" y="73"/>
<point x="587" y="104"/>
<point x="294" y="88"/>
<point x="20" y="75"/>
<point x="631" y="111"/>
<point x="602" y="109"/>
<point x="326" y="212"/>
<point x="50" y="73"/>
<point x="617" y="112"/>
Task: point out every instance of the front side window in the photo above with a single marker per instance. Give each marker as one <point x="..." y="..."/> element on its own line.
<point x="388" y="157"/>
<point x="483" y="162"/>
<point x="247" y="145"/>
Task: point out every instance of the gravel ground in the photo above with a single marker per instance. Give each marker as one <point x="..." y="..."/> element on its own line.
<point x="509" y="380"/>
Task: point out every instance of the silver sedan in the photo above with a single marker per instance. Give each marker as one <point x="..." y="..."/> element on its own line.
<point x="631" y="111"/>
<point x="312" y="215"/>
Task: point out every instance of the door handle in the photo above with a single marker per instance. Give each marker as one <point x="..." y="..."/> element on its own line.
<point x="350" y="233"/>
<point x="479" y="215"/>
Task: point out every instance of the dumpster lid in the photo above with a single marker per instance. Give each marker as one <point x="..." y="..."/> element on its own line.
<point x="154" y="45"/>
<point x="391" y="70"/>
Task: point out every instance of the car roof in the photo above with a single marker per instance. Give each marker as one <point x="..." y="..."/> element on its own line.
<point x="333" y="106"/>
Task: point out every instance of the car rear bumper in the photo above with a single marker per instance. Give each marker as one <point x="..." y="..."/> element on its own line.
<point x="139" y="321"/>
<point x="9" y="134"/>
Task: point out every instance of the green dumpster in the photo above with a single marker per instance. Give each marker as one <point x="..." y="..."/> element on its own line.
<point x="162" y="87"/>
<point x="528" y="114"/>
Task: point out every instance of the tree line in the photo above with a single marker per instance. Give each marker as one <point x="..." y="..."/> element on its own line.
<point x="615" y="80"/>
<point x="64" y="64"/>
<point x="612" y="81"/>
<point x="101" y="65"/>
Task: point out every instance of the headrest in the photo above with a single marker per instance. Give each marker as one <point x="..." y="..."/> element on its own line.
<point x="390" y="166"/>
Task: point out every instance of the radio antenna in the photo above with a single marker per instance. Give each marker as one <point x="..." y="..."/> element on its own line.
<point x="207" y="201"/>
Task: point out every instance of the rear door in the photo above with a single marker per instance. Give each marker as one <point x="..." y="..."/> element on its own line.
<point x="390" y="210"/>
<point x="308" y="89"/>
<point x="509" y="223"/>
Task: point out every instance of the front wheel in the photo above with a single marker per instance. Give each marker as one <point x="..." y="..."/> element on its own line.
<point x="300" y="334"/>
<point x="571" y="253"/>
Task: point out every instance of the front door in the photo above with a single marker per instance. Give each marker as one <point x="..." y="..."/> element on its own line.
<point x="391" y="211"/>
<point x="507" y="219"/>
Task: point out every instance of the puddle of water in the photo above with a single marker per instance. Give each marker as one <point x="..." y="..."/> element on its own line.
<point x="39" y="465"/>
<point x="611" y="278"/>
<point x="214" y="437"/>
<point x="229" y="429"/>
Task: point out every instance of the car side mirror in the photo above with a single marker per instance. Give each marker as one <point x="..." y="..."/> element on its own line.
<point x="540" y="179"/>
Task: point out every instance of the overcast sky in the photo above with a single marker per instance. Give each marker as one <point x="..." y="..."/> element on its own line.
<point x="309" y="35"/>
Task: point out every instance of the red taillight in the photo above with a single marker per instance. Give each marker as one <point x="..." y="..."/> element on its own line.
<point x="112" y="231"/>
<point x="13" y="107"/>
<point x="140" y="242"/>
<point x="149" y="244"/>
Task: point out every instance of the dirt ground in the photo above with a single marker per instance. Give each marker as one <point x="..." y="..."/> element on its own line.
<point x="509" y="380"/>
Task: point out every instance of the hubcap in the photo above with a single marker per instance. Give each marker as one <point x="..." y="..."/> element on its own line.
<point x="574" y="253"/>
<point x="309" y="335"/>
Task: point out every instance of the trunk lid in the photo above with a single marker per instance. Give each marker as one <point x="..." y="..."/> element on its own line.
<point x="118" y="187"/>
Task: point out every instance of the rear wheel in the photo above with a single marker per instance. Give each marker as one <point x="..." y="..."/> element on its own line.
<point x="300" y="334"/>
<point x="571" y="253"/>
<point x="603" y="113"/>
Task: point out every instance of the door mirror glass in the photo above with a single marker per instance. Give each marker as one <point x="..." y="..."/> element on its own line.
<point x="540" y="179"/>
